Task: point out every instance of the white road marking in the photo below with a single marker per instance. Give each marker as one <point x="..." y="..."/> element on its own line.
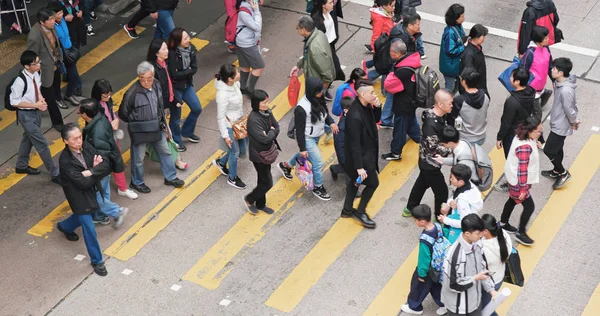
<point x="595" y="128"/>
<point x="175" y="287"/>
<point x="498" y="32"/>
<point x="225" y="302"/>
<point x="126" y="272"/>
<point x="79" y="257"/>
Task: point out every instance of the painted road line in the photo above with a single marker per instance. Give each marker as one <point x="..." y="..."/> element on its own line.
<point x="593" y="306"/>
<point x="308" y="272"/>
<point x="142" y="232"/>
<point x="550" y="219"/>
<point x="395" y="292"/>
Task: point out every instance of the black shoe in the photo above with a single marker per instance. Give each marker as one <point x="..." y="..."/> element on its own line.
<point x="236" y="183"/>
<point x="181" y="148"/>
<point x="287" y="172"/>
<point x="29" y="170"/>
<point x="178" y="183"/>
<point x="545" y="97"/>
<point x="102" y="220"/>
<point x="132" y="33"/>
<point x="222" y="168"/>
<point x="93" y="16"/>
<point x="561" y="180"/>
<point x="193" y="138"/>
<point x="386" y="126"/>
<point x="100" y="269"/>
<point x="142" y="188"/>
<point x="524" y="239"/>
<point x="364" y="219"/>
<point x="250" y="207"/>
<point x="267" y="210"/>
<point x="550" y="174"/>
<point x="391" y="156"/>
<point x="62" y="104"/>
<point x="346" y="213"/>
<point x="321" y="193"/>
<point x="70" y="236"/>
<point x="245" y="92"/>
<point x="333" y="174"/>
<point x="369" y="48"/>
<point x="509" y="229"/>
<point x="57" y="180"/>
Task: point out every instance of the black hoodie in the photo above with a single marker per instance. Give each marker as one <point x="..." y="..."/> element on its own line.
<point x="536" y="9"/>
<point x="517" y="108"/>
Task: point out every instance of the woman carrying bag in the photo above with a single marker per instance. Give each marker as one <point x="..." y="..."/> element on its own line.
<point x="324" y="21"/>
<point x="453" y="45"/>
<point x="497" y="246"/>
<point x="232" y="125"/>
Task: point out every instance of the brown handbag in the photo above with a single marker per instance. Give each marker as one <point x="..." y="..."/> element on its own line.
<point x="239" y="127"/>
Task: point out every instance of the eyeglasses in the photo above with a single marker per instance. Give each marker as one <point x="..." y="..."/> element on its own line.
<point x="106" y="95"/>
<point x="36" y="63"/>
<point x="146" y="79"/>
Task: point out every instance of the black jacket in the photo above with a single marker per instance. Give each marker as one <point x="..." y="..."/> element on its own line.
<point x="260" y="135"/>
<point x="410" y="40"/>
<point x="430" y="144"/>
<point x="80" y="191"/>
<point x="182" y="78"/>
<point x="536" y="9"/>
<point x="404" y="101"/>
<point x="517" y="108"/>
<point x="155" y="5"/>
<point x="99" y="133"/>
<point x="161" y="74"/>
<point x="361" y="139"/>
<point x="473" y="58"/>
<point x="136" y="107"/>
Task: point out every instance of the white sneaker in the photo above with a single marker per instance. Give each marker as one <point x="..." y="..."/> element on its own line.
<point x="119" y="220"/>
<point x="407" y="310"/>
<point x="128" y="193"/>
<point x="441" y="311"/>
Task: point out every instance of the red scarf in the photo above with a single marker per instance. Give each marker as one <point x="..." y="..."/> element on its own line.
<point x="163" y="64"/>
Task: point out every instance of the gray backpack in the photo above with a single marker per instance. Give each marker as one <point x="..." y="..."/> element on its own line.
<point x="483" y="167"/>
<point x="427" y="83"/>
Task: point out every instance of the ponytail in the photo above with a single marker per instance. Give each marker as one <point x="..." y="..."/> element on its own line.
<point x="493" y="226"/>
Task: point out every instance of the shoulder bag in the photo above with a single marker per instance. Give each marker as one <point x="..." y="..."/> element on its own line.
<point x="269" y="156"/>
<point x="240" y="130"/>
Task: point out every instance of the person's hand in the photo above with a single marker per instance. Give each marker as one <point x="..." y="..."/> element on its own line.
<point x="304" y="154"/>
<point x="97" y="160"/>
<point x="499" y="144"/>
<point x="260" y="2"/>
<point x="188" y="1"/>
<point x="362" y="173"/>
<point x="154" y="15"/>
<point x="493" y="293"/>
<point x="439" y="159"/>
<point x="452" y="204"/>
<point x="481" y="276"/>
<point x="334" y="128"/>
<point x="41" y="105"/>
<point x="441" y="218"/>
<point x="69" y="17"/>
<point x="576" y="125"/>
<point x="421" y="280"/>
<point x="539" y="144"/>
<point x="253" y="4"/>
<point x="522" y="196"/>
<point x="445" y="208"/>
<point x="178" y="105"/>
<point x="115" y="124"/>
<point x="86" y="173"/>
<point x="228" y="141"/>
<point x="294" y="71"/>
<point x="79" y="14"/>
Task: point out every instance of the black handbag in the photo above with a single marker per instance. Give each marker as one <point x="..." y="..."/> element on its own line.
<point x="71" y="55"/>
<point x="513" y="273"/>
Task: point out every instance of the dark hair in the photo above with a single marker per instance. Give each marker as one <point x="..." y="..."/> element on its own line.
<point x="28" y="57"/>
<point x="524" y="128"/>
<point x="380" y="3"/>
<point x="257" y="97"/>
<point x="449" y="135"/>
<point x="421" y="212"/>
<point x="153" y="49"/>
<point x="362" y="83"/>
<point x="67" y="128"/>
<point x="346" y="102"/>
<point x="454" y="12"/>
<point x="471" y="223"/>
<point x="101" y="86"/>
<point x="538" y="33"/>
<point x="410" y="19"/>
<point x="356" y="74"/>
<point x="522" y="76"/>
<point x="238" y="3"/>
<point x="227" y="71"/>
<point x="478" y="31"/>
<point x="175" y="37"/>
<point x="471" y="77"/>
<point x="56" y="6"/>
<point x="44" y="14"/>
<point x="563" y="64"/>
<point x="490" y="223"/>
<point x="89" y="107"/>
<point x="461" y="172"/>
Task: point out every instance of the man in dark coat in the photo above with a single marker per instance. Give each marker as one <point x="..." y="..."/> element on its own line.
<point x="361" y="151"/>
<point x="473" y="56"/>
<point x="538" y="12"/>
<point x="81" y="169"/>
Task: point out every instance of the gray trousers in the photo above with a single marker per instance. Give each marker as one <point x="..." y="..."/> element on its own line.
<point x="33" y="137"/>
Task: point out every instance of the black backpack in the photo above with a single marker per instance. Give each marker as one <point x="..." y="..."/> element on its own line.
<point x="7" y="92"/>
<point x="383" y="61"/>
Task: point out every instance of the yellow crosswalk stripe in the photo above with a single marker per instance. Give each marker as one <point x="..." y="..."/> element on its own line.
<point x="308" y="272"/>
<point x="142" y="232"/>
<point x="593" y="306"/>
<point x="87" y="62"/>
<point x="550" y="219"/>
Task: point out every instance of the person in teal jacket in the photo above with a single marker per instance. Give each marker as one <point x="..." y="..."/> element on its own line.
<point x="453" y="45"/>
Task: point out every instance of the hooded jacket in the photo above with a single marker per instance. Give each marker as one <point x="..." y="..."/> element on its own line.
<point x="462" y="154"/>
<point x="230" y="105"/>
<point x="304" y="114"/>
<point x="382" y="22"/>
<point x="317" y="59"/>
<point x="517" y="108"/>
<point x="473" y="57"/>
<point x="430" y="144"/>
<point x="472" y="108"/>
<point x="249" y="26"/>
<point x="468" y="201"/>
<point x="538" y="12"/>
<point x="564" y="109"/>
<point x="402" y="84"/>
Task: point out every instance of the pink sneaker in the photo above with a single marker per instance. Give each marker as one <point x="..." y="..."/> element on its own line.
<point x="363" y="63"/>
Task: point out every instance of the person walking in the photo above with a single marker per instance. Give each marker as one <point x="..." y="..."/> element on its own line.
<point x="382" y="22"/>
<point x="322" y="15"/>
<point x="540" y="13"/>
<point x="310" y="118"/>
<point x="408" y="8"/>
<point x="409" y="31"/>
<point x="461" y="151"/>
<point x="89" y="15"/>
<point x="263" y="129"/>
<point x="81" y="170"/>
<point x="145" y="7"/>
<point x="522" y="169"/>
<point x="142" y="108"/>
<point x="473" y="56"/>
<point x="182" y="67"/>
<point x="162" y="11"/>
<point x="538" y="61"/>
<point x="453" y="45"/>
<point x="247" y="41"/>
<point x="230" y="109"/>
<point x="346" y="90"/>
<point x="74" y="17"/>
<point x="497" y="247"/>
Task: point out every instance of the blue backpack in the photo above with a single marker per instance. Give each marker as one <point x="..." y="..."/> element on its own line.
<point x="438" y="253"/>
<point x="336" y="108"/>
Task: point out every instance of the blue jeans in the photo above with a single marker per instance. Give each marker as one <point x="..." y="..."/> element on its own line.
<point x="138" y="152"/>
<point x="73" y="80"/>
<point x="387" y="117"/>
<point x="191" y="99"/>
<point x="486" y="298"/>
<point x="106" y="206"/>
<point x="450" y="83"/>
<point x="405" y="124"/>
<point x="238" y="147"/>
<point x="164" y="24"/>
<point x="314" y="156"/>
<point x="420" y="47"/>
<point x="89" y="234"/>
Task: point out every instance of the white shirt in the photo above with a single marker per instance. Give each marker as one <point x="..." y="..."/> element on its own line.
<point x="329" y="28"/>
<point x="16" y="90"/>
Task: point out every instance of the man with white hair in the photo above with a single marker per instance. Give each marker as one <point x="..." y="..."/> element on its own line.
<point x="142" y="108"/>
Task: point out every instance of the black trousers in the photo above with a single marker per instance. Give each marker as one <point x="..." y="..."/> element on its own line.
<point x="528" y="208"/>
<point x="433" y="179"/>
<point x="506" y="142"/>
<point x="339" y="73"/>
<point x="554" y="150"/>
<point x="371" y="183"/>
<point x="263" y="185"/>
<point x="51" y="94"/>
<point x="138" y="17"/>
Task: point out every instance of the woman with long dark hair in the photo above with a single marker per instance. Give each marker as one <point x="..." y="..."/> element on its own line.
<point x="522" y="169"/>
<point x="323" y="16"/>
<point x="453" y="45"/>
<point x="497" y="246"/>
<point x="247" y="41"/>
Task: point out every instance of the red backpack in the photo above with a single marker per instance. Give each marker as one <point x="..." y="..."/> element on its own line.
<point x="231" y="30"/>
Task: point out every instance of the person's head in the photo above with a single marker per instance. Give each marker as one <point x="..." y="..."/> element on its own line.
<point x="325" y="5"/>
<point x="305" y="26"/>
<point x="388" y="5"/>
<point x="356" y="74"/>
<point x="459" y="175"/>
<point x="561" y="68"/>
<point x="46" y="18"/>
<point x="259" y="101"/>
<point x="443" y="102"/>
<point x="58" y="10"/>
<point x="421" y="215"/>
<point x="519" y="78"/>
<point x="455" y="15"/>
<point x="30" y="61"/>
<point x="530" y="129"/>
<point x="71" y="135"/>
<point x="145" y="72"/>
<point x="157" y="50"/>
<point x="478" y="33"/>
<point x="346" y="102"/>
<point x="471" y="226"/>
<point x="178" y="37"/>
<point x="88" y="109"/>
<point x="397" y="49"/>
<point x="102" y="91"/>
<point x="539" y="35"/>
<point x="228" y="73"/>
<point x="449" y="137"/>
<point x="469" y="78"/>
<point x="365" y="92"/>
<point x="492" y="229"/>
<point x="412" y="23"/>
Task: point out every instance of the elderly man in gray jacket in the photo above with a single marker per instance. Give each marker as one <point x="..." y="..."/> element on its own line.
<point x="563" y="119"/>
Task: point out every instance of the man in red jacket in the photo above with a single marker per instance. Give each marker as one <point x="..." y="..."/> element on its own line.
<point x="542" y="13"/>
